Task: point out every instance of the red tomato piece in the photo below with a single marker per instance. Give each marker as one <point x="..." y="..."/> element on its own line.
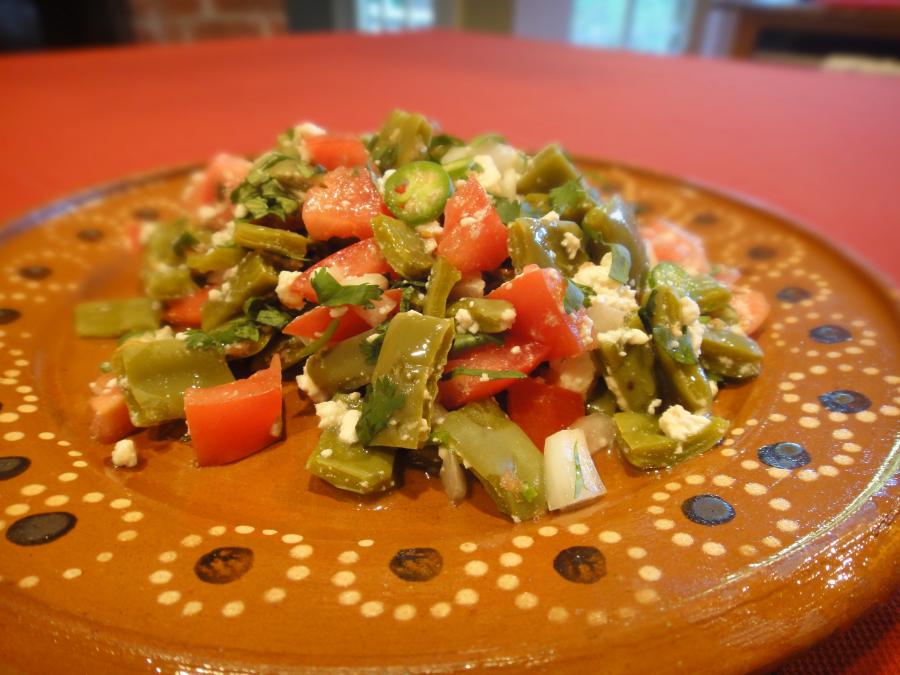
<point x="382" y="308"/>
<point x="231" y="421"/>
<point x="537" y="295"/>
<point x="474" y="238"/>
<point x="310" y="325"/>
<point x="542" y="409"/>
<point x="363" y="257"/>
<point x="521" y="355"/>
<point x="110" y="422"/>
<point x="217" y="181"/>
<point x="669" y="242"/>
<point x="344" y="206"/>
<point x="752" y="308"/>
<point x="186" y="311"/>
<point x="334" y="151"/>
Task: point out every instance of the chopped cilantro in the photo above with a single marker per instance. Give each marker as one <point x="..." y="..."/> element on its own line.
<point x="266" y="313"/>
<point x="238" y="330"/>
<point x="383" y="398"/>
<point x="574" y="299"/>
<point x="332" y="294"/>
<point x="371" y="350"/>
<point x="490" y="374"/>
<point x="464" y="341"/>
<point x="507" y="209"/>
<point x="621" y="257"/>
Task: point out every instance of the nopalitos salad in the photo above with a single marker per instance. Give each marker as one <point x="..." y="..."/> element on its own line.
<point x="457" y="306"/>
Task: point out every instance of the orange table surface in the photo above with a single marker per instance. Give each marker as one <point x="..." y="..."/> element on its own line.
<point x="820" y="146"/>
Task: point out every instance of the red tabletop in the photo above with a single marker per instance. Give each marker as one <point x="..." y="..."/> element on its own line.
<point x="820" y="146"/>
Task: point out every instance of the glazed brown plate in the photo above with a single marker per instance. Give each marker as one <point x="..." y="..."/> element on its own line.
<point x="727" y="563"/>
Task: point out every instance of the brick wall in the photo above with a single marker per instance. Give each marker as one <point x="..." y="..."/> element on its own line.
<point x="189" y="20"/>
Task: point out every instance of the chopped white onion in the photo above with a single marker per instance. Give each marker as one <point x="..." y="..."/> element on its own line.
<point x="453" y="477"/>
<point x="569" y="472"/>
<point x="605" y="317"/>
<point x="599" y="430"/>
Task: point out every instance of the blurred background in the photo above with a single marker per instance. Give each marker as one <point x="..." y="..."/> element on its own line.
<point x="859" y="35"/>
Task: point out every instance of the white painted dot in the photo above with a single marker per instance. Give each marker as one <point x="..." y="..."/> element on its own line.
<point x="558" y="614"/>
<point x="578" y="528"/>
<point x="737" y="431"/>
<point x="723" y="480"/>
<point x="72" y="573"/>
<point x="646" y="596"/>
<point x="371" y="609"/>
<point x="747" y="549"/>
<point x="889" y="410"/>
<point x="343" y="579"/>
<point x="440" y="610"/>
<point x="609" y="537"/>
<point x="297" y="572"/>
<point x="274" y="595"/>
<point x="547" y="531"/>
<point x="466" y="596"/>
<point x="348" y="598"/>
<point x="468" y="547"/>
<point x="167" y="556"/>
<point x="597" y="618"/>
<point x="808" y="475"/>
<point x="828" y="470"/>
<point x="786" y="525"/>
<point x="650" y="573"/>
<point x="32" y="489"/>
<point x="660" y="496"/>
<point x="755" y="489"/>
<point x="233" y="609"/>
<point x="636" y="552"/>
<point x="191" y="541"/>
<point x="777" y="417"/>
<point x="28" y="582"/>
<point x="104" y="556"/>
<point x="809" y="422"/>
<point x="404" y="612"/>
<point x="507" y="582"/>
<point x="663" y="524"/>
<point x="682" y="539"/>
<point x="750" y="464"/>
<point x="93" y="497"/>
<point x="27" y="408"/>
<point x="17" y="509"/>
<point x="79" y="464"/>
<point x="217" y="530"/>
<point x="67" y="477"/>
<point x="301" y="551"/>
<point x="291" y="538"/>
<point x="192" y="607"/>
<point x="160" y="577"/>
<point x="851" y="447"/>
<point x="842" y="434"/>
<point x="13" y="436"/>
<point x="713" y="548"/>
<point x="728" y="452"/>
<point x="780" y="504"/>
<point x="244" y="529"/>
<point x="818" y="369"/>
<point x="866" y="416"/>
<point x="510" y="559"/>
<point x="694" y="479"/>
<point x="790" y="398"/>
<point x="796" y="377"/>
<point x="522" y="541"/>
<point x="843" y="460"/>
<point x="127" y="535"/>
<point x="348" y="557"/>
<point x="365" y="543"/>
<point x="269" y="532"/>
<point x="46" y="435"/>
<point x="811" y="408"/>
<point x="168" y="597"/>
<point x="656" y="510"/>
<point x="8" y="417"/>
<point x="476" y="568"/>
<point x="120" y="503"/>
<point x="132" y="516"/>
<point x="778" y="472"/>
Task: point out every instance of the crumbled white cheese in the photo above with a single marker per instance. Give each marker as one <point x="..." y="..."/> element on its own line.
<point x="622" y="337"/>
<point x="326" y="452"/>
<point x="507" y="318"/>
<point x="285" y="292"/>
<point x="690" y="311"/>
<point x="484" y="378"/>
<point x="487" y="173"/>
<point x="550" y="217"/>
<point x="275" y="430"/>
<point x="383" y="179"/>
<point x="330" y="413"/>
<point x="224" y="236"/>
<point x="516" y="350"/>
<point x="309" y="387"/>
<point x="465" y="322"/>
<point x="215" y="295"/>
<point x="654" y="404"/>
<point x="430" y="230"/>
<point x="469" y="287"/>
<point x="606" y="291"/>
<point x="507" y="186"/>
<point x="713" y="388"/>
<point x="373" y="337"/>
<point x="681" y="425"/>
<point x="336" y="312"/>
<point x="125" y="454"/>
<point x="430" y="246"/>
<point x="695" y="333"/>
<point x="347" y="432"/>
<point x="571" y="244"/>
<point x="240" y="211"/>
<point x="307" y="128"/>
<point x="147" y="230"/>
<point x="374" y="279"/>
<point x="183" y="335"/>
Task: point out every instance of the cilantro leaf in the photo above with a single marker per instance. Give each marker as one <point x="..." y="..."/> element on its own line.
<point x="371" y="347"/>
<point x="266" y="313"/>
<point x="574" y="299"/>
<point x="621" y="257"/>
<point x="679" y="348"/>
<point x="490" y="374"/>
<point x="507" y="209"/>
<point x="383" y="398"/>
<point x="320" y="341"/>
<point x="332" y="294"/>
<point x="464" y="341"/>
<point x="238" y="330"/>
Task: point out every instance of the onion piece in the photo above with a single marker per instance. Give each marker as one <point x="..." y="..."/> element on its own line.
<point x="453" y="477"/>
<point x="605" y="317"/>
<point x="569" y="473"/>
<point x="599" y="430"/>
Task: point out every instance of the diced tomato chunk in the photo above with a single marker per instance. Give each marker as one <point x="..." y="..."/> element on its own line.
<point x="312" y="324"/>
<point x="363" y="257"/>
<point x="474" y="238"/>
<point x="334" y="151"/>
<point x="670" y="242"/>
<point x="537" y="295"/>
<point x="514" y="354"/>
<point x="344" y="206"/>
<point x="231" y="421"/>
<point x="382" y="308"/>
<point x="110" y="422"/>
<point x="185" y="312"/>
<point x="752" y="308"/>
<point x="216" y="182"/>
<point x="542" y="409"/>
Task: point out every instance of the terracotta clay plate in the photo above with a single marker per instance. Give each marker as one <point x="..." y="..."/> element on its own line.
<point x="729" y="562"/>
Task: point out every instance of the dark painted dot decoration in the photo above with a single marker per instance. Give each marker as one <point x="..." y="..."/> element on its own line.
<point x="580" y="564"/>
<point x="146" y="213"/>
<point x="830" y="334"/>
<point x="8" y="315"/>
<point x="41" y="528"/>
<point x="642" y="207"/>
<point x="10" y="467"/>
<point x="224" y="565"/>
<point x="90" y="234"/>
<point x="35" y="272"/>
<point x="845" y="401"/>
<point x="762" y="252"/>
<point x="792" y="294"/>
<point x="706" y="218"/>
<point x="417" y="564"/>
<point x="785" y="455"/>
<point x="707" y="510"/>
